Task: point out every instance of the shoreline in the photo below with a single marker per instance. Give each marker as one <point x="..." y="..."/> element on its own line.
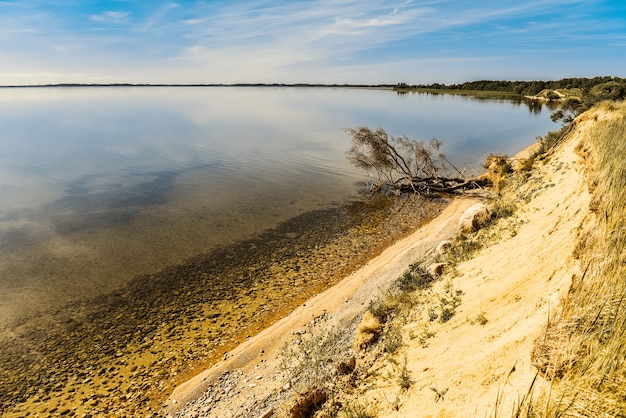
<point x="367" y="282"/>
<point x="122" y="352"/>
<point x="513" y="296"/>
<point x="343" y="302"/>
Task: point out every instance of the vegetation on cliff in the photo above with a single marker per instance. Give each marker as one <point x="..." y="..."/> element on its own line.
<point x="583" y="352"/>
<point x="580" y="358"/>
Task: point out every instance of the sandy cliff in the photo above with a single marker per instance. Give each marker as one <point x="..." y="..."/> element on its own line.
<point x="478" y="363"/>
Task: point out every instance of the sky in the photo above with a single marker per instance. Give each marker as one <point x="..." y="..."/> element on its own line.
<point x="309" y="41"/>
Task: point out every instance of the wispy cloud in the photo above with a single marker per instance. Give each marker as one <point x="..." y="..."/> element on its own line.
<point x="110" y="17"/>
<point x="157" y="17"/>
<point x="297" y="40"/>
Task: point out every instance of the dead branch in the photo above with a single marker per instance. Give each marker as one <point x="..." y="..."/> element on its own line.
<point x="443" y="185"/>
<point x="407" y="166"/>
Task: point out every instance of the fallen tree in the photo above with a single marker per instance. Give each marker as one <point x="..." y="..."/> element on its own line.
<point x="403" y="165"/>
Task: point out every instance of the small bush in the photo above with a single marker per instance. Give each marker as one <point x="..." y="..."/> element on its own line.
<point x="358" y="410"/>
<point x="414" y="278"/>
<point x="425" y="335"/>
<point x="439" y="393"/>
<point x="463" y="247"/>
<point x="312" y="361"/>
<point x="551" y="138"/>
<point x="449" y="301"/>
<point x="526" y="164"/>
<point x="502" y="208"/>
<point x="432" y="314"/>
<point x="447" y="312"/>
<point x="393" y="340"/>
<point x="481" y="318"/>
<point x="384" y="307"/>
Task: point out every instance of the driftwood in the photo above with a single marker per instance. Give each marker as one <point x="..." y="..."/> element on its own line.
<point x="403" y="165"/>
<point x="437" y="185"/>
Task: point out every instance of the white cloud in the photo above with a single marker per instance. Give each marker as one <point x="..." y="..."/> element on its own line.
<point x="350" y="26"/>
<point x="291" y="41"/>
<point x="157" y="17"/>
<point x="110" y="17"/>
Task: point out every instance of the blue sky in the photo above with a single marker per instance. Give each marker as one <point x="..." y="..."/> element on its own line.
<point x="310" y="41"/>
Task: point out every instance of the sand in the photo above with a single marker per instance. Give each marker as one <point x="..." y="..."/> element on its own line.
<point x="348" y="299"/>
<point x="517" y="284"/>
<point x="466" y="369"/>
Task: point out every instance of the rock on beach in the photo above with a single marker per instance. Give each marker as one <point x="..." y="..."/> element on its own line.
<point x="474" y="217"/>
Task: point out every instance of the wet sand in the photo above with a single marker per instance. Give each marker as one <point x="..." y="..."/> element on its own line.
<point x="125" y="351"/>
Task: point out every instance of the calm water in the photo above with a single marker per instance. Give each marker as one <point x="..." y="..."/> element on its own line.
<point x="101" y="184"/>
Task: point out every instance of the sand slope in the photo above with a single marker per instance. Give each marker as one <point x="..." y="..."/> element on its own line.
<point x="516" y="284"/>
<point x="467" y="369"/>
<point x="257" y="358"/>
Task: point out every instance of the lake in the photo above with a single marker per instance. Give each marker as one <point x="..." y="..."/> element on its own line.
<point x="123" y="181"/>
<point x="103" y="188"/>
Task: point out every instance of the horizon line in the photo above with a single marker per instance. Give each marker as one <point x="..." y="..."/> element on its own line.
<point x="356" y="85"/>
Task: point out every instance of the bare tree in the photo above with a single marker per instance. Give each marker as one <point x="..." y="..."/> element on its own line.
<point x="405" y="165"/>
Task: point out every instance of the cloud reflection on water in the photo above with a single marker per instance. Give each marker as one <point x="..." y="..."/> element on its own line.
<point x="98" y="149"/>
<point x="101" y="184"/>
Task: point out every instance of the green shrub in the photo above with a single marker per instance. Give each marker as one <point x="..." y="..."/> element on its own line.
<point x="550" y="139"/>
<point x="414" y="278"/>
<point x="384" y="307"/>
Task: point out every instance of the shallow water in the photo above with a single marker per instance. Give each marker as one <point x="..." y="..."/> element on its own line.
<point x="101" y="184"/>
<point x="126" y="210"/>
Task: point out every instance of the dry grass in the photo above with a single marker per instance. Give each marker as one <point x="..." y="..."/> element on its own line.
<point x="368" y="331"/>
<point x="498" y="169"/>
<point x="583" y="352"/>
<point x="312" y="361"/>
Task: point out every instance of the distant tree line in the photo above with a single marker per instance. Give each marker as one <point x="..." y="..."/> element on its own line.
<point x="404" y="165"/>
<point x="584" y="92"/>
<point x="526" y="88"/>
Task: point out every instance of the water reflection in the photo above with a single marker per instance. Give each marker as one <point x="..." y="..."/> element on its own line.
<point x="101" y="184"/>
<point x="535" y="107"/>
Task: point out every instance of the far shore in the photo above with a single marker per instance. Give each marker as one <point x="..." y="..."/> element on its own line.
<point x="475" y="93"/>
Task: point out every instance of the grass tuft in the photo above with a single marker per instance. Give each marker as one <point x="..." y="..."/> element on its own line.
<point x="404" y="378"/>
<point x="358" y="410"/>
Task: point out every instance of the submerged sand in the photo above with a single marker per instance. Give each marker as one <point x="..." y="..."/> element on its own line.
<point x="125" y="351"/>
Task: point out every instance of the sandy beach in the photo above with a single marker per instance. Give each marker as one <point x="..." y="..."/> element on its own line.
<point x="256" y="361"/>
